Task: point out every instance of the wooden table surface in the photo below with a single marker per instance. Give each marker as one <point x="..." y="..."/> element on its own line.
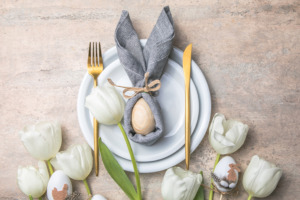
<point x="248" y="51"/>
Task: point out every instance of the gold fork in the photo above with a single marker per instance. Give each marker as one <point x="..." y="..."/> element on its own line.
<point x="94" y="69"/>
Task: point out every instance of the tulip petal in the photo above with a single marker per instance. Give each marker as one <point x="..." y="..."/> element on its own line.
<point x="237" y="132"/>
<point x="218" y="123"/>
<point x="223" y="140"/>
<point x="268" y="181"/>
<point x="250" y="174"/>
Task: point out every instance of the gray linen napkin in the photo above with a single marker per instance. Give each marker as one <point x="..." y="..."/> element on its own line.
<point x="137" y="61"/>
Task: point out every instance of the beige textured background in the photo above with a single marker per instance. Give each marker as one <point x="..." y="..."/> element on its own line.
<point x="248" y="51"/>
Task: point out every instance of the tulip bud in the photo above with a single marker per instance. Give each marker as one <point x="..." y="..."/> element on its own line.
<point x="106" y="104"/>
<point x="226" y="136"/>
<point x="179" y="184"/>
<point x="42" y="140"/>
<point x="261" y="177"/>
<point x="33" y="181"/>
<point x="76" y="162"/>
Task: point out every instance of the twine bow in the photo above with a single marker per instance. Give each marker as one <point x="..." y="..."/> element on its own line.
<point x="151" y="87"/>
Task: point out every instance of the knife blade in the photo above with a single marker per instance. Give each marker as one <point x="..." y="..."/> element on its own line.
<point x="186" y="64"/>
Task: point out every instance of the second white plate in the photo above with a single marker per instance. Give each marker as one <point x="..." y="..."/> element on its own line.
<point x="171" y="101"/>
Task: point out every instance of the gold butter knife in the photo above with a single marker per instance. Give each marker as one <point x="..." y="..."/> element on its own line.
<point x="186" y="63"/>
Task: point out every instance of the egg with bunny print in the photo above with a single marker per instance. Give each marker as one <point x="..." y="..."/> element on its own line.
<point x="59" y="186"/>
<point x="226" y="174"/>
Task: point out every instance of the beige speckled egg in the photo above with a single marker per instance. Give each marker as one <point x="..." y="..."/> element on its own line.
<point x="142" y="118"/>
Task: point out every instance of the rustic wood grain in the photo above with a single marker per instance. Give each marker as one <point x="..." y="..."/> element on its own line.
<point x="248" y="51"/>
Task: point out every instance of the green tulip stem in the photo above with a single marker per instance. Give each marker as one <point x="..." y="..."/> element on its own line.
<point x="87" y="187"/>
<point x="136" y="172"/>
<point x="40" y="198"/>
<point x="30" y="197"/>
<point x="211" y="193"/>
<point x="250" y="197"/>
<point x="50" y="167"/>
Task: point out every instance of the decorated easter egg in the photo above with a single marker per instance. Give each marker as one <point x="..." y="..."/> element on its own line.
<point x="226" y="174"/>
<point x="59" y="186"/>
<point x="142" y="118"/>
<point x="98" y="197"/>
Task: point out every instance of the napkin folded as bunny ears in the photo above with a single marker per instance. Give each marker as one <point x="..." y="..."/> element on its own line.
<point x="137" y="61"/>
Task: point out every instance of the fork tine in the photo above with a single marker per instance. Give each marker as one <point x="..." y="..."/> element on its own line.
<point x="100" y="55"/>
<point x="97" y="65"/>
<point x="89" y="58"/>
<point x="93" y="55"/>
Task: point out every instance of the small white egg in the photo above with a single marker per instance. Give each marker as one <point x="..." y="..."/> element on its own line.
<point x="59" y="186"/>
<point x="232" y="185"/>
<point x="98" y="197"/>
<point x="224" y="183"/>
<point x="221" y="171"/>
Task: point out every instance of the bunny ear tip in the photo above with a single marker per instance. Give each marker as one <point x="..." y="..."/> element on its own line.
<point x="124" y="12"/>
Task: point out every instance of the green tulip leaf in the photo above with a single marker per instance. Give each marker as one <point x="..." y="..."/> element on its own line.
<point x="200" y="193"/>
<point x="116" y="171"/>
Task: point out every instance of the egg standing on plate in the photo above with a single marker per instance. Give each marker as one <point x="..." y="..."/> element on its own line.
<point x="59" y="186"/>
<point x="226" y="174"/>
<point x="142" y="118"/>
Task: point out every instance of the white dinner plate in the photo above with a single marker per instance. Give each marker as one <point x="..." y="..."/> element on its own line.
<point x="171" y="100"/>
<point x="198" y="134"/>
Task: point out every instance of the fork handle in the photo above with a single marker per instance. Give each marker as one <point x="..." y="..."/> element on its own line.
<point x="96" y="151"/>
<point x="96" y="136"/>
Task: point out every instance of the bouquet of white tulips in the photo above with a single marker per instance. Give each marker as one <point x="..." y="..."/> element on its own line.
<point x="43" y="141"/>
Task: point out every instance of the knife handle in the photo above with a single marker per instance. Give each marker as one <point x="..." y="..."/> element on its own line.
<point x="187" y="124"/>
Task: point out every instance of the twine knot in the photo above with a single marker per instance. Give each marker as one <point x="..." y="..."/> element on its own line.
<point x="151" y="87"/>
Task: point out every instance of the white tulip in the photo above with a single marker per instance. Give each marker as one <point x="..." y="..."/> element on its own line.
<point x="226" y="136"/>
<point x="179" y="184"/>
<point x="261" y="177"/>
<point x="33" y="181"/>
<point x="106" y="104"/>
<point x="76" y="162"/>
<point x="42" y="140"/>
